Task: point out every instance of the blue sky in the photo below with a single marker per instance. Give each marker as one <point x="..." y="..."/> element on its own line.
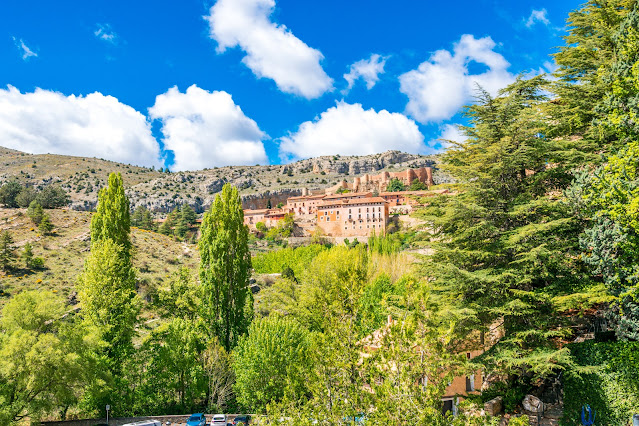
<point x="194" y="84"/>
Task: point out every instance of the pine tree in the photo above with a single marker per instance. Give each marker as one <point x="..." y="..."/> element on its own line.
<point x="35" y="212"/>
<point x="112" y="220"/>
<point x="225" y="268"/>
<point x="6" y="251"/>
<point x="27" y="255"/>
<point x="8" y="193"/>
<point x="142" y="218"/>
<point x="45" y="225"/>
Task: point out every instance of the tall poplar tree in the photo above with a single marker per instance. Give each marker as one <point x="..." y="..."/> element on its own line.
<point x="112" y="219"/>
<point x="225" y="268"/>
<point x="107" y="285"/>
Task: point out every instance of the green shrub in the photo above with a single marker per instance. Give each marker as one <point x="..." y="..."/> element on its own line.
<point x="607" y="379"/>
<point x="519" y="421"/>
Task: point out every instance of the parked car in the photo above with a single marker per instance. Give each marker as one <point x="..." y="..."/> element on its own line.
<point x="246" y="419"/>
<point x="196" y="420"/>
<point x="218" y="420"/>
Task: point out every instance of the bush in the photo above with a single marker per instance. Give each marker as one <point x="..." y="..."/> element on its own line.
<point x="607" y="379"/>
<point x="519" y="421"/>
<point x="37" y="263"/>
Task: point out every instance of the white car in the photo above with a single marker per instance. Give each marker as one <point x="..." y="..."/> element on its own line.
<point x="218" y="420"/>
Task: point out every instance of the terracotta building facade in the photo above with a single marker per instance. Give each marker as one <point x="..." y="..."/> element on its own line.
<point x="353" y="217"/>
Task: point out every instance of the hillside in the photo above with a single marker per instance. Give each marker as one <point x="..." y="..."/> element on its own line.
<point x="156" y="256"/>
<point x="161" y="192"/>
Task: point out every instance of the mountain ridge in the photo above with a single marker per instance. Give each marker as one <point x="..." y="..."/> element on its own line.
<point x="161" y="191"/>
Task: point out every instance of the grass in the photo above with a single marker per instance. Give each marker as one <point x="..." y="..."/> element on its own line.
<point x="156" y="256"/>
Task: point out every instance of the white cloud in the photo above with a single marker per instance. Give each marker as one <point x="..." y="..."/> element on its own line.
<point x="206" y="129"/>
<point x="24" y="49"/>
<point x="272" y="51"/>
<point x="537" y="16"/>
<point x="450" y="132"/>
<point x="105" y="33"/>
<point x="443" y="84"/>
<point x="366" y="69"/>
<point x="348" y="129"/>
<point x="93" y="126"/>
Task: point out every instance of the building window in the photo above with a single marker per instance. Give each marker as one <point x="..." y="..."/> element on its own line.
<point x="328" y="218"/>
<point x="470" y="383"/>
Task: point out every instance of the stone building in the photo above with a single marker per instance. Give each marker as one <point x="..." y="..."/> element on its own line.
<point x="270" y="217"/>
<point x="352" y="217"/>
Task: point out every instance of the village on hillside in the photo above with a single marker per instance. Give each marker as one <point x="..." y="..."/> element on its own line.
<point x="358" y="209"/>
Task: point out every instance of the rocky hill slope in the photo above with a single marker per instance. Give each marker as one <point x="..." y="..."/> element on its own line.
<point x="162" y="191"/>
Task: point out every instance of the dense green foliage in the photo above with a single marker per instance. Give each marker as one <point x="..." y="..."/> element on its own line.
<point x="225" y="268"/>
<point x="607" y="379"/>
<point x="274" y="262"/>
<point x="272" y="362"/>
<point x="395" y="185"/>
<point x="507" y="247"/>
<point x="46" y="358"/>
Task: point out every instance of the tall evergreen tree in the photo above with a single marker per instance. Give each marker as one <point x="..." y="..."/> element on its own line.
<point x="584" y="63"/>
<point x="7" y="249"/>
<point x="507" y="249"/>
<point x="225" y="268"/>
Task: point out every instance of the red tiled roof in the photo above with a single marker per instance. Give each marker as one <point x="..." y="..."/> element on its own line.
<point x="353" y="202"/>
<point x="348" y="195"/>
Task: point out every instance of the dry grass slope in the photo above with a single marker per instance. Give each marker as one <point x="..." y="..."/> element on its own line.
<point x="156" y="256"/>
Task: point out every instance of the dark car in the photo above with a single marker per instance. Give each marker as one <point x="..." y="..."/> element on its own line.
<point x="196" y="420"/>
<point x="241" y="419"/>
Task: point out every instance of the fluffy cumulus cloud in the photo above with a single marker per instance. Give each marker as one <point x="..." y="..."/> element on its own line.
<point x="440" y="86"/>
<point x="94" y="125"/>
<point x="272" y="51"/>
<point x="349" y="129"/>
<point x="366" y="69"/>
<point x="206" y="129"/>
<point x="25" y="51"/>
<point x="537" y="16"/>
